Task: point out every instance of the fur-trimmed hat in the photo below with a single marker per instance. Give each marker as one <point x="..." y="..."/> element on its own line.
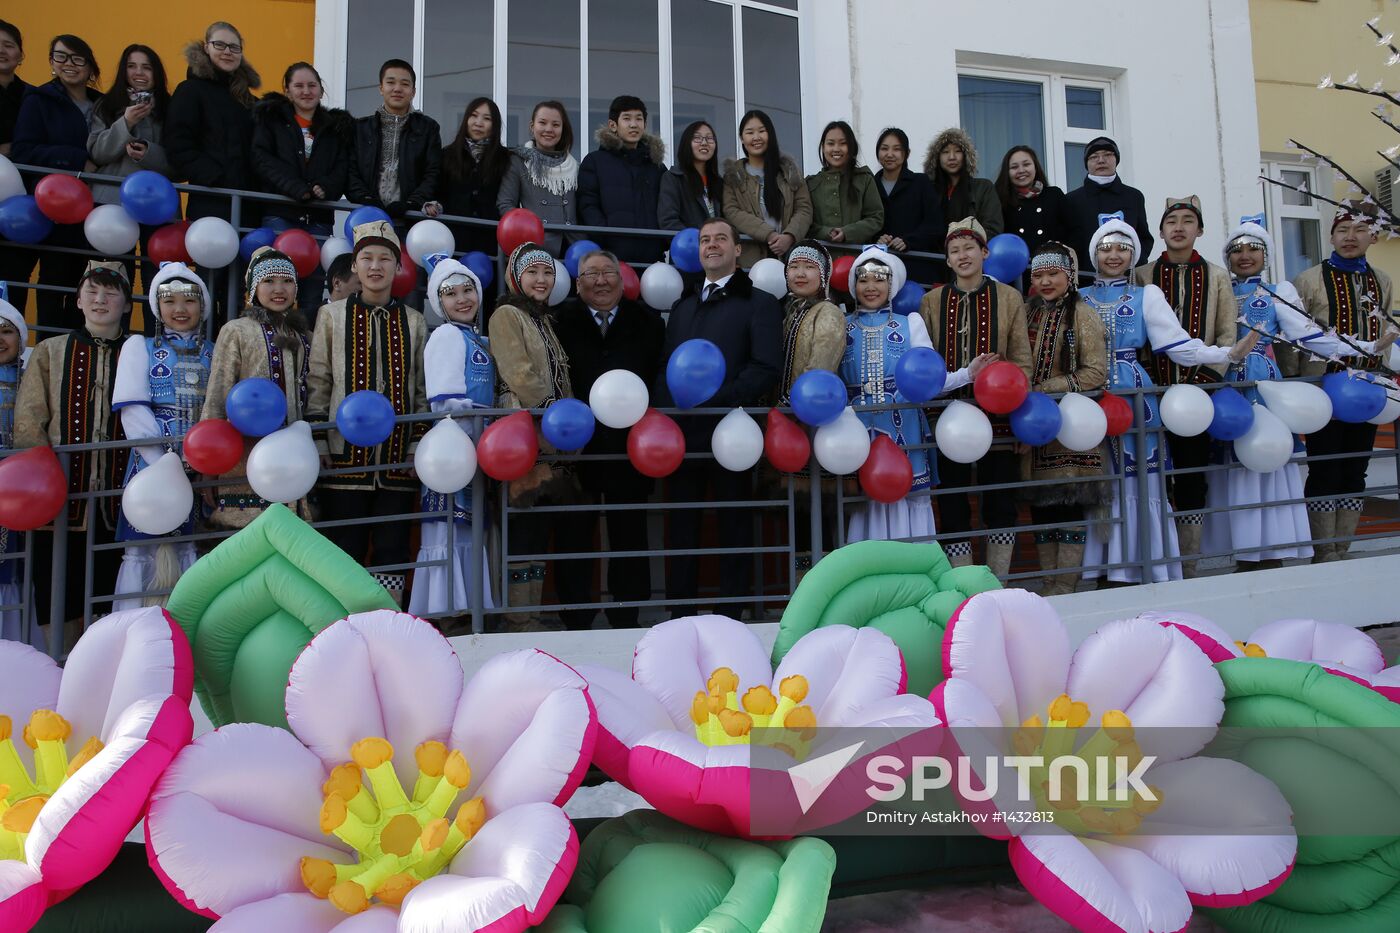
<point x="1188" y="203"/>
<point x="1114" y="224"/>
<point x="1250" y="232"/>
<point x="881" y="256"/>
<point x="377" y="233"/>
<point x="445" y="271"/>
<point x="813" y="251"/>
<point x="11" y="315"/>
<point x="1355" y="209"/>
<point x="170" y="273"/>
<point x="968" y="226"/>
<point x="266" y="261"/>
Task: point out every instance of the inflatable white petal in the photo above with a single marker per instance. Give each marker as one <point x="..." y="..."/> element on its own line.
<point x="29" y="680"/>
<point x="527" y="729"/>
<point x="626" y="715"/>
<point x="302" y="912"/>
<point x="233" y="816"/>
<point x="1223" y="830"/>
<point x="674" y="660"/>
<point x="902" y="712"/>
<point x="382" y="673"/>
<point x="1309" y="640"/>
<point x="684" y="746"/>
<point x="1205" y="634"/>
<point x="1012" y="646"/>
<point x="846" y="668"/>
<point x="1390" y="677"/>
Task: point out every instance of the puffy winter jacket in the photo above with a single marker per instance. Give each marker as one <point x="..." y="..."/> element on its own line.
<point x="51" y="130"/>
<point x="281" y="162"/>
<point x="209" y="132"/>
<point x="620" y="187"/>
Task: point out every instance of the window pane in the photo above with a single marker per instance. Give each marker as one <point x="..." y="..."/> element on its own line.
<point x="999" y="114"/>
<point x="372" y="27"/>
<point x="1297" y="180"/>
<point x="1084" y="107"/>
<point x="451" y="79"/>
<point x="1302" y="245"/>
<point x="543" y="57"/>
<point x="622" y="59"/>
<point x="772" y="77"/>
<point x="702" y="70"/>
<point x="1074" y="165"/>
<point x="785" y="4"/>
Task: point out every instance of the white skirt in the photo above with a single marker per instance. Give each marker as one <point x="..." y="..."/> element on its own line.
<point x="1112" y="543"/>
<point x="443" y="588"/>
<point x="910" y="517"/>
<point x="1270" y="532"/>
<point x="141" y="571"/>
<point x="12" y="620"/>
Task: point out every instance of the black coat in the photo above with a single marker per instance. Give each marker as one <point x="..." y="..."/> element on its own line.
<point x="913" y="212"/>
<point x="620" y="187"/>
<point x="10" y="100"/>
<point x="208" y="134"/>
<point x="633" y="343"/>
<point x="1047" y="216"/>
<point x="281" y="164"/>
<point x="51" y="130"/>
<point x="676" y="209"/>
<point x="420" y="163"/>
<point x="1087" y="202"/>
<point x="471" y="195"/>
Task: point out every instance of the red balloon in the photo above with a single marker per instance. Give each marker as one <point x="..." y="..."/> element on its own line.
<point x="1119" y="412"/>
<point x="655" y="445"/>
<point x="508" y="448"/>
<point x="63" y="199"/>
<point x="405" y="280"/>
<point x="785" y="444"/>
<point x="213" y="447"/>
<point x="168" y="244"/>
<point x="887" y="475"/>
<point x="301" y="248"/>
<point x="631" y="285"/>
<point x="1001" y="388"/>
<point x="517" y="226"/>
<point x="32" y="489"/>
<point x="841" y="272"/>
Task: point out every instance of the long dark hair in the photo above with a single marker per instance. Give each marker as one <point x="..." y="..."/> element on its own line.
<point x="457" y="162"/>
<point x="685" y="158"/>
<point x="1006" y="191"/>
<point x="566" y="133"/>
<point x="77" y="46"/>
<point x="118" y="98"/>
<point x="772" y="162"/>
<point x="900" y="137"/>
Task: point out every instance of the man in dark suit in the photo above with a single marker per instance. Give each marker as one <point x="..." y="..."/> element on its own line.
<point x="747" y="325"/>
<point x="601" y="331"/>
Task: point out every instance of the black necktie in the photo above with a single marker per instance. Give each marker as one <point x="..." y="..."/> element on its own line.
<point x="710" y="289"/>
<point x="603" y="323"/>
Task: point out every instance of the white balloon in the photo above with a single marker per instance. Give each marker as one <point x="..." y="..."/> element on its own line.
<point x="963" y="433"/>
<point x="427" y="237"/>
<point x="158" y="499"/>
<point x="562" y="282"/>
<point x="661" y="286"/>
<point x="282" y="467"/>
<point x="1267" y="445"/>
<point x="445" y="458"/>
<point x="333" y="247"/>
<point x="1302" y="406"/>
<point x="1186" y="410"/>
<point x="212" y="242"/>
<point x="1392" y="358"/>
<point x="619" y="398"/>
<point x="770" y="275"/>
<point x="1083" y="423"/>
<point x="843" y="445"/>
<point x="111" y="230"/>
<point x="1391" y="411"/>
<point x="11" y="183"/>
<point x="737" y="441"/>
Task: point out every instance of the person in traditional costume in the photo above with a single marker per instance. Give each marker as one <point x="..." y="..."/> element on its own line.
<point x="160" y="388"/>
<point x="1135" y="317"/>
<point x="373" y="342"/>
<point x="458" y="375"/>
<point x="14" y="336"/>
<point x="972" y="321"/>
<point x="1199" y="293"/>
<point x="814" y="329"/>
<point x="534" y="373"/>
<point x="270" y="339"/>
<point x="1278" y="530"/>
<point x="1346" y="294"/>
<point x="1068" y="354"/>
<point x="65" y="397"/>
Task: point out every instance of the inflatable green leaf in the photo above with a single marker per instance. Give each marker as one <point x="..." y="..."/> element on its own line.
<point x="254" y="602"/>
<point x="908" y="591"/>
<point x="645" y="871"/>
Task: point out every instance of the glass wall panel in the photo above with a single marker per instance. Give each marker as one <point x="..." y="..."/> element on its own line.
<point x="376" y="30"/>
<point x="457" y="47"/>
<point x="702" y="70"/>
<point x="543" y="57"/>
<point x="998" y="114"/>
<point x="622" y="59"/>
<point x="772" y="77"/>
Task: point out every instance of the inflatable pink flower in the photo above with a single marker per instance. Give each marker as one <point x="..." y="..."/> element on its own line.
<point x="682" y="731"/>
<point x="1207" y="831"/>
<point x="400" y="800"/>
<point x="96" y="735"/>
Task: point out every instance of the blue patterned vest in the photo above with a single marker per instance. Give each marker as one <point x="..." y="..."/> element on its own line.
<point x="875" y="341"/>
<point x="1119" y="305"/>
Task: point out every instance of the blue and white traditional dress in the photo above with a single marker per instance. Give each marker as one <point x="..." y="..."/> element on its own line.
<point x="875" y="341"/>
<point x="12" y="542"/>
<point x="159" y="392"/>
<point x="1137" y="316"/>
<point x="459" y="375"/>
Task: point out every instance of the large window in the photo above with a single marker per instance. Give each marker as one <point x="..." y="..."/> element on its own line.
<point x="543" y="64"/>
<point x="702" y="69"/>
<point x="456" y="59"/>
<point x="377" y="30"/>
<point x="623" y="58"/>
<point x="1294" y="218"/>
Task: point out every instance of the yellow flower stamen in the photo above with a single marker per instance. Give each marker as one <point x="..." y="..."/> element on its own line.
<point x="759" y="701"/>
<point x="349" y="897"/>
<point x="23" y="796"/>
<point x="395" y="888"/>
<point x="1251" y="650"/>
<point x="431" y="758"/>
<point x="87" y="753"/>
<point x="318" y="875"/>
<point x="347" y="782"/>
<point x="20" y="817"/>
<point x="736" y="724"/>
<point x="376" y="757"/>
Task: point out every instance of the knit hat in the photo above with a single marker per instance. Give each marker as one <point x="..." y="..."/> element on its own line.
<point x="524" y="256"/>
<point x="266" y="261"/>
<point x="1189" y="203"/>
<point x="968" y="226"/>
<point x="107" y="273"/>
<point x="813" y="251"/>
<point x="878" y="255"/>
<point x="10" y="314"/>
<point x="445" y="273"/>
<point x="1355" y="209"/>
<point x="1099" y="144"/>
<point x="1250" y="232"/>
<point x="1114" y="229"/>
<point x="172" y="276"/>
<point x="377" y="233"/>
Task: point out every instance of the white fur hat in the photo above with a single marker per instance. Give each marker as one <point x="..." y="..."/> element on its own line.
<point x="443" y="266"/>
<point x="1250" y="228"/>
<point x="885" y="258"/>
<point x="10" y="313"/>
<point x="170" y="271"/>
<point x="1114" y="223"/>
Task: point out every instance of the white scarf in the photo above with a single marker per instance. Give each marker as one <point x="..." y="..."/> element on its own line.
<point x="557" y="175"/>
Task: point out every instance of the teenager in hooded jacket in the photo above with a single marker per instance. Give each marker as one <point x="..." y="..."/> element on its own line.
<point x="951" y="164"/>
<point x="619" y="183"/>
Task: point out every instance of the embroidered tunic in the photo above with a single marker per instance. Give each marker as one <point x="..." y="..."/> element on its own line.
<point x="1343" y="301"/>
<point x="814" y="337"/>
<point x="1068" y="354"/>
<point x="11" y="571"/>
<point x="1263" y="312"/>
<point x="1199" y="292"/>
<point x="459" y="375"/>
<point x="875" y="341"/>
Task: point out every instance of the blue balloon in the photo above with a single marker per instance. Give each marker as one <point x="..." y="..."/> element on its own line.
<point x="149" y="197"/>
<point x="1007" y="257"/>
<point x="362" y="215"/>
<point x="1037" y="420"/>
<point x="907" y="300"/>
<point x="576" y="253"/>
<point x="365" y="418"/>
<point x="919" y="375"/>
<point x="1354" y="399"/>
<point x="482" y="265"/>
<point x="21" y="221"/>
<point x="1234" y="415"/>
<point x="256" y="407"/>
<point x="685" y="250"/>
<point x="818" y="397"/>
<point x="568" y="424"/>
<point x="255" y="240"/>
<point x="695" y="372"/>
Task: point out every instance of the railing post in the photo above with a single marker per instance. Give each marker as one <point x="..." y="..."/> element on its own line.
<point x="58" y="581"/>
<point x="232" y="291"/>
<point x="815" y="493"/>
<point x="476" y="579"/>
<point x="1144" y="496"/>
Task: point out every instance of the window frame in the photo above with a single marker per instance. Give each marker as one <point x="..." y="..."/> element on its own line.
<point x="1273" y="165"/>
